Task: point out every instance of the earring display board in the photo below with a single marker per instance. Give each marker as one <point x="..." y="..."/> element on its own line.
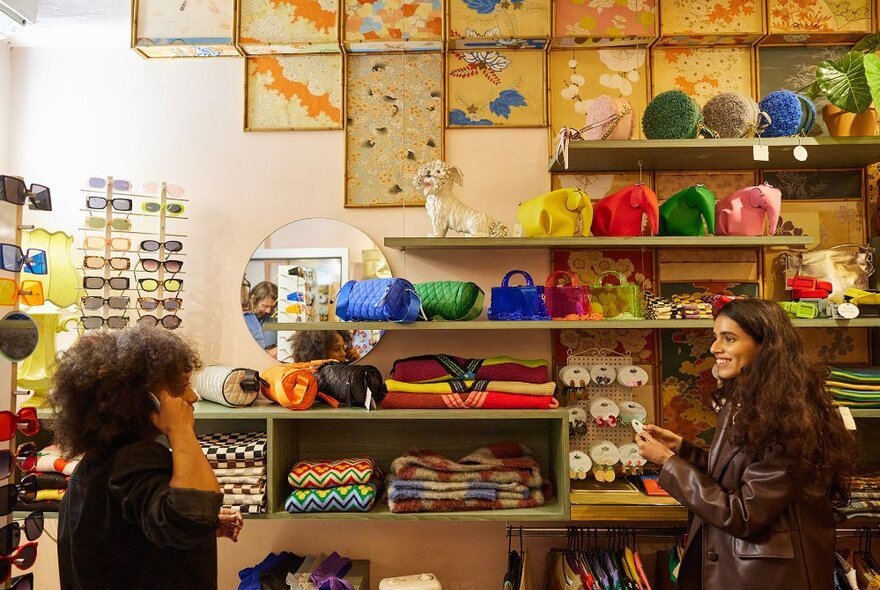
<point x="820" y="21"/>
<point x="294" y="26"/>
<point x="394" y="109"/>
<point x="577" y="23"/>
<point x="293" y="92"/>
<point x="716" y="22"/>
<point x="183" y="28"/>
<point x="473" y="24"/>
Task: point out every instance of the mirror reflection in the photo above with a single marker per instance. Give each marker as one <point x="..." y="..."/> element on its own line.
<point x="19" y="336"/>
<point x="294" y="276"/>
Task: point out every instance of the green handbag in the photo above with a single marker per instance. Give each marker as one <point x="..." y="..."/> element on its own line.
<point x="614" y="300"/>
<point x="453" y="301"/>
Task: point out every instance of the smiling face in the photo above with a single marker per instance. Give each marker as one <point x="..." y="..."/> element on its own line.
<point x="733" y="348"/>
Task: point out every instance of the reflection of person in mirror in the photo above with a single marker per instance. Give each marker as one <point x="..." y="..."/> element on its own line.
<point x="261" y="309"/>
<point x="318" y="345"/>
<point x="136" y="515"/>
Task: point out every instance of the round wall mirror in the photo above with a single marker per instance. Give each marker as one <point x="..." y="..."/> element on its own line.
<point x="294" y="276"/>
<point x="19" y="335"/>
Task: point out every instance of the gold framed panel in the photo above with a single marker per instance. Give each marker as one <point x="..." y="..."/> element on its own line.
<point x="267" y="27"/>
<point x="819" y="21"/>
<point x="478" y="24"/>
<point x="201" y="29"/>
<point x="703" y="72"/>
<point x="711" y="23"/>
<point x="583" y="24"/>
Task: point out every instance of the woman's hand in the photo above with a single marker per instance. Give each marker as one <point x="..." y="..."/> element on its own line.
<point x="665" y="437"/>
<point x="231" y="524"/>
<point x="174" y="416"/>
<point x="652" y="449"/>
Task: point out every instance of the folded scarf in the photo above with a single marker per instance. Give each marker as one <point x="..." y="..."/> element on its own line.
<point x="534" y="500"/>
<point x="247" y="508"/>
<point x="45" y="506"/>
<point x="440" y="367"/>
<point x="330" y="474"/>
<point x="241" y="479"/>
<point x="857" y="386"/>
<point x="245" y="499"/>
<point x="486" y="400"/>
<point x="233" y="446"/>
<point x="51" y="481"/>
<point x="348" y="498"/>
<point x="44" y="495"/>
<point x="49" y="460"/>
<point x="855" y="395"/>
<point x="240" y="471"/>
<point x="237" y="464"/>
<point x="450" y="486"/>
<point x="329" y="575"/>
<point x="243" y="488"/>
<point x="476" y="493"/>
<point x="865" y="376"/>
<point x="507" y="462"/>
<point x="464" y="386"/>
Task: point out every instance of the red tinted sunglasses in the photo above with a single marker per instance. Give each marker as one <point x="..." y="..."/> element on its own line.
<point x="25" y="420"/>
<point x="24" y="559"/>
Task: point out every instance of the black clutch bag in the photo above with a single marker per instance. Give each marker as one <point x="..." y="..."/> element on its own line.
<point x="351" y="385"/>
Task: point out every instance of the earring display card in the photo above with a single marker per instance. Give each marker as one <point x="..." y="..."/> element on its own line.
<point x="395" y="124"/>
<point x="496" y="88"/>
<point x="702" y="72"/>
<point x="292" y="26"/>
<point x="293" y="92"/>
<point x="184" y="28"/>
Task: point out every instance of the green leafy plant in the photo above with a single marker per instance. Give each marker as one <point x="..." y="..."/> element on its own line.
<point x="852" y="82"/>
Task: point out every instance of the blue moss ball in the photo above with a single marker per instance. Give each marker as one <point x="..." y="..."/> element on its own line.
<point x="786" y="113"/>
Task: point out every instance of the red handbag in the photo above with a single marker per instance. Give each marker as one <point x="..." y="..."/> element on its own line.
<point x="565" y="297"/>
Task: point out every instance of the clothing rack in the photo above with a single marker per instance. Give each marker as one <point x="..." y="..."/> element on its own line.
<point x="655" y="532"/>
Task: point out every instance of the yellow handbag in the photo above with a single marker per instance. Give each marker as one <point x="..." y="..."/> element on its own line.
<point x="556" y="213"/>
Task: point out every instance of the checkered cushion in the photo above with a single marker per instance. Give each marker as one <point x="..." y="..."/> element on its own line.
<point x="234" y="446"/>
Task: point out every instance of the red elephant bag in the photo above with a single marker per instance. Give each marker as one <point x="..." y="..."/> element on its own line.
<point x="565" y="297"/>
<point x="620" y="213"/>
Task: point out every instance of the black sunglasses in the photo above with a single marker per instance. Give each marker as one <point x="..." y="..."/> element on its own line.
<point x="119" y="283"/>
<point x="10" y="535"/>
<point x="152" y="265"/>
<point x="153" y="246"/>
<point x="13" y="190"/>
<point x="10" y="493"/>
<point x="25" y="582"/>
<point x="101" y="203"/>
<point x="169" y="322"/>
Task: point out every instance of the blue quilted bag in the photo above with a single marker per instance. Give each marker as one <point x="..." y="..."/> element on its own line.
<point x="378" y="300"/>
<point x="525" y="302"/>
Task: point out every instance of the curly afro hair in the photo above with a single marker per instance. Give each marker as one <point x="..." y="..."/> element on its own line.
<point x="312" y="345"/>
<point x="102" y="384"/>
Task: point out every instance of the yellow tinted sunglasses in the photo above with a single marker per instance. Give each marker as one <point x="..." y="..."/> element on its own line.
<point x="168" y="284"/>
<point x="30" y="292"/>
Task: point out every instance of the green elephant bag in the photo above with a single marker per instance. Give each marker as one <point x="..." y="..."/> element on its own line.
<point x="451" y="300"/>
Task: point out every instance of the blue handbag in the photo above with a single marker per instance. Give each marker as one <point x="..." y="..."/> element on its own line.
<point x="378" y="300"/>
<point x="525" y="302"/>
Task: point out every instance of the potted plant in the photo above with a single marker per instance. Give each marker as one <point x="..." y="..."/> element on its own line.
<point x="852" y="86"/>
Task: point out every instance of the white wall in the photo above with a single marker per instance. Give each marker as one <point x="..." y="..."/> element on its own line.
<point x="5" y="83"/>
<point x="97" y="112"/>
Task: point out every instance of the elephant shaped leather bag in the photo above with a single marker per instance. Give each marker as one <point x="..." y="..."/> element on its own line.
<point x="556" y="213"/>
<point x="742" y="212"/>
<point x="620" y="214"/>
<point x="683" y="213"/>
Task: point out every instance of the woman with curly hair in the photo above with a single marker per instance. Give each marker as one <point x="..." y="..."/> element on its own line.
<point x="319" y="344"/>
<point x="762" y="498"/>
<point x="135" y="514"/>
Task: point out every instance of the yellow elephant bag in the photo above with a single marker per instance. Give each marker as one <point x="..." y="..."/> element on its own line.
<point x="556" y="214"/>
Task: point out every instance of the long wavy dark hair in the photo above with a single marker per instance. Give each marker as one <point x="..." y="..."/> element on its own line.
<point x="102" y="383"/>
<point x="783" y="400"/>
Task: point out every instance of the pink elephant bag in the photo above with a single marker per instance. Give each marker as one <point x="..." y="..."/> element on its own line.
<point x="743" y="212"/>
<point x="565" y="297"/>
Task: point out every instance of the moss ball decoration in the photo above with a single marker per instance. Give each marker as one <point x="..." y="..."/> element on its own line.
<point x="731" y="115"/>
<point x="786" y="112"/>
<point x="671" y="115"/>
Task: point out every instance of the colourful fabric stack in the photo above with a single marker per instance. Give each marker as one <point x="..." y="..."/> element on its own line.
<point x="855" y="388"/>
<point x="344" y="485"/>
<point x="443" y="381"/>
<point x="500" y="476"/>
<point x="691" y="307"/>
<point x="52" y="473"/>
<point x="239" y="462"/>
<point x="864" y="495"/>
<point x="656" y="307"/>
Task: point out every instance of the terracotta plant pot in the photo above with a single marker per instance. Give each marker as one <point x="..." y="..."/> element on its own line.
<point x="838" y="121"/>
<point x="865" y="123"/>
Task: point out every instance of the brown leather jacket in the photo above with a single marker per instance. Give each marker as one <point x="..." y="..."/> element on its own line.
<point x="752" y="526"/>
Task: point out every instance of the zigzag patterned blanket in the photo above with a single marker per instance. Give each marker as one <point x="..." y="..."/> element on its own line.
<point x="468" y="492"/>
<point x="354" y="498"/>
<point x="331" y="474"/>
<point x="534" y="500"/>
<point x="486" y="400"/>
<point x="506" y="462"/>
<point x="432" y="368"/>
<point x="467" y="385"/>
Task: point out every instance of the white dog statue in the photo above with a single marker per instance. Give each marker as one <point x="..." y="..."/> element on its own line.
<point x="435" y="179"/>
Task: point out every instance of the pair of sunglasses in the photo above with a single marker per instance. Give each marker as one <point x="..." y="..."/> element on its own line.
<point x="118" y="184"/>
<point x="10" y="535"/>
<point x="101" y="203"/>
<point x="170" y="189"/>
<point x="116" y="262"/>
<point x="13" y="259"/>
<point x="24" y="558"/>
<point x="152" y="265"/>
<point x="30" y="292"/>
<point x="170" y="322"/>
<point x="151" y="285"/>
<point x="95" y="322"/>
<point x="153" y="246"/>
<point x="25" y="457"/>
<point x="168" y="304"/>
<point x="154" y="208"/>
<point x="10" y="493"/>
<point x="98" y="243"/>
<point x="94" y="302"/>
<point x="120" y="283"/>
<point x="14" y="190"/>
<point x="25" y="421"/>
<point x="120" y="224"/>
<point x="25" y="582"/>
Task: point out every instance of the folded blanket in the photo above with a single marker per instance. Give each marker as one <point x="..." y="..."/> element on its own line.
<point x="240" y="471"/>
<point x="450" y="486"/>
<point x="245" y="499"/>
<point x="464" y="386"/>
<point x="487" y="400"/>
<point x="348" y="498"/>
<point x="45" y="506"/>
<point x="51" y="481"/>
<point x="534" y="500"/>
<point x="856" y="386"/>
<point x="475" y="493"/>
<point x="244" y="488"/>
<point x="865" y="376"/>
<point x="507" y="462"/>
<point x="237" y="464"/>
<point x="331" y="474"/>
<point x="440" y="367"/>
<point x="247" y="508"/>
<point x="43" y="495"/>
<point x="854" y="394"/>
<point x="242" y="479"/>
<point x="49" y="460"/>
<point x="233" y="446"/>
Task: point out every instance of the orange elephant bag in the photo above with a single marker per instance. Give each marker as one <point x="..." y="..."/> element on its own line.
<point x="294" y="386"/>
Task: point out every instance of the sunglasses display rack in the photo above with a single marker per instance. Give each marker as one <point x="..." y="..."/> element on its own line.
<point x="602" y="402"/>
<point x="150" y="284"/>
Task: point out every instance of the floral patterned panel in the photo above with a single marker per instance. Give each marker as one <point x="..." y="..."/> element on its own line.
<point x="637" y="266"/>
<point x="687" y="384"/>
<point x="288" y="26"/>
<point x="393" y="20"/>
<point x="838" y="345"/>
<point x="599" y="185"/>
<point x="720" y="183"/>
<point x="499" y="19"/>
<point x="827" y="16"/>
<point x="714" y="270"/>
<point x="816" y="184"/>
<point x="702" y="72"/>
<point x="794" y="68"/>
<point x="496" y="88"/>
<point x="294" y="92"/>
<point x="579" y="75"/>
<point x="395" y="124"/>
<point x="702" y="17"/>
<point x="194" y="28"/>
<point x="605" y="18"/>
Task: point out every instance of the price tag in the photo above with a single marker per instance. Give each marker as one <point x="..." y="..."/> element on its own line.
<point x="847" y="416"/>
<point x="848" y="311"/>
<point x="368" y="402"/>
<point x="761" y="153"/>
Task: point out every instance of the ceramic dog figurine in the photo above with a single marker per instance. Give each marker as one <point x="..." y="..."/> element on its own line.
<point x="446" y="212"/>
<point x="556" y="213"/>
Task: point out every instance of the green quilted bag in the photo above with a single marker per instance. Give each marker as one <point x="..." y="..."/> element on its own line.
<point x="453" y="301"/>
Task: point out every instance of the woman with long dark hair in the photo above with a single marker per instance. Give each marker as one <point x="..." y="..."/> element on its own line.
<point x="762" y="498"/>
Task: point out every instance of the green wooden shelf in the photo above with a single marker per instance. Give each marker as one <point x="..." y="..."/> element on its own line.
<point x="552" y="325"/>
<point x="718" y="154"/>
<point x="865" y="412"/>
<point x="462" y="243"/>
